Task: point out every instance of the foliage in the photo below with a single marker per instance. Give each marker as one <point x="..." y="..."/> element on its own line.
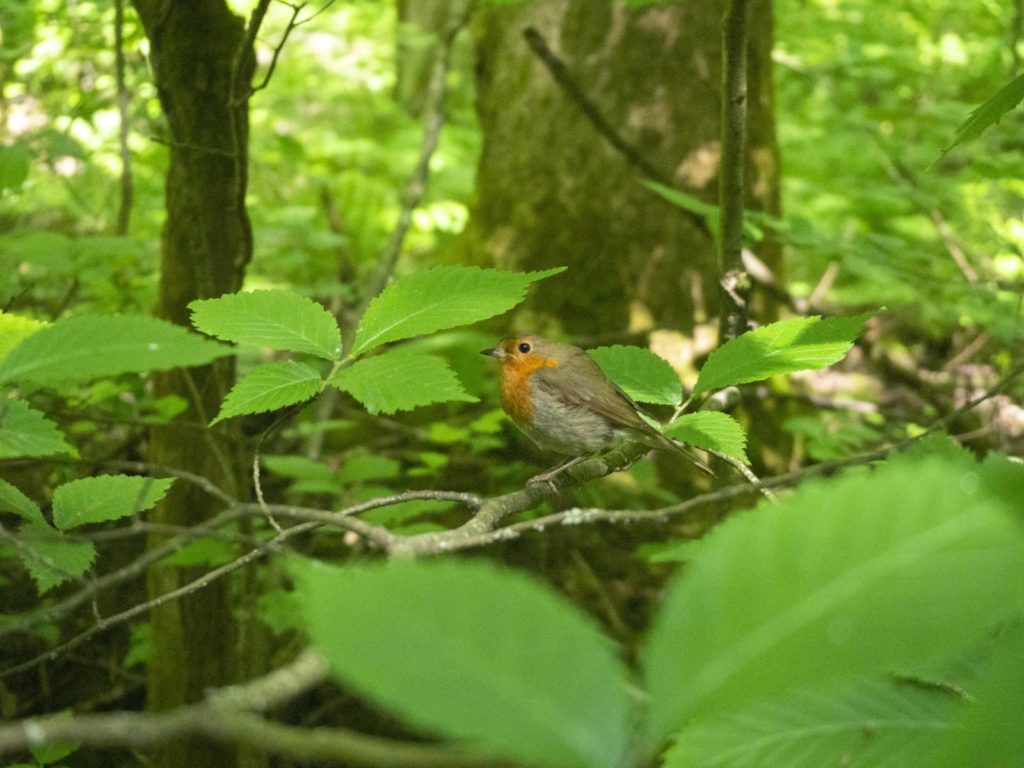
<point x="835" y="586"/>
<point x="989" y="112"/>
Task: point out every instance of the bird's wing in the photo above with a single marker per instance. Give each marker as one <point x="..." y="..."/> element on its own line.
<point x="581" y="382"/>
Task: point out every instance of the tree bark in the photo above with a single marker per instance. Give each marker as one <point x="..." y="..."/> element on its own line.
<point x="552" y="190"/>
<point x="202" y="76"/>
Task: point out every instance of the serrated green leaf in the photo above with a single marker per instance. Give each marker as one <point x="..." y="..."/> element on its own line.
<point x="440" y="298"/>
<point x="643" y="375"/>
<point x="274" y="319"/>
<point x="81" y="348"/>
<point x="797" y="344"/>
<point x="712" y="431"/>
<point x="14" y="329"/>
<point x="989" y="112"/>
<point x="106" y="497"/>
<point x="24" y="431"/>
<point x="13" y="500"/>
<point x="869" y="724"/>
<point x="856" y="575"/>
<point x="512" y="669"/>
<point x="270" y="387"/>
<point x="400" y="380"/>
<point x="51" y="558"/>
<point x="15" y="161"/>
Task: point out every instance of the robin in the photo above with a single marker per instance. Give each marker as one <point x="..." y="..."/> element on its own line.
<point x="562" y="400"/>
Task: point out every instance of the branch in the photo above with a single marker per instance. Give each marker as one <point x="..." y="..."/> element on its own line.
<point x="561" y="75"/>
<point x="230" y="715"/>
<point x="735" y="282"/>
<point x="124" y="210"/>
<point x="417" y="183"/>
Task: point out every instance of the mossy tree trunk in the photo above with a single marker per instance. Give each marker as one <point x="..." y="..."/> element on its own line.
<point x="551" y="190"/>
<point x="202" y="63"/>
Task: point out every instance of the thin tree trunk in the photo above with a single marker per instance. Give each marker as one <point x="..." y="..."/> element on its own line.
<point x="206" y="245"/>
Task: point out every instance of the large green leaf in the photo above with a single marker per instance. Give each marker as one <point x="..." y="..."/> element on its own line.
<point x="644" y="376"/>
<point x="81" y="348"/>
<point x="13" y="500"/>
<point x="872" y="723"/>
<point x="274" y="319"/>
<point x="797" y="344"/>
<point x="50" y="557"/>
<point x="14" y="329"/>
<point x="106" y="497"/>
<point x="712" y="431"/>
<point x="24" y="431"/>
<point x="270" y="387"/>
<point x="482" y="655"/>
<point x="860" y="574"/>
<point x="400" y="380"/>
<point x="440" y="298"/>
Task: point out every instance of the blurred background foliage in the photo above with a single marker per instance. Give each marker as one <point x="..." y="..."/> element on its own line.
<point x="867" y="94"/>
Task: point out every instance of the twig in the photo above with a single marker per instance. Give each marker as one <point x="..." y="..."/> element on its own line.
<point x="416" y="185"/>
<point x="124" y="210"/>
<point x="561" y="75"/>
<point x="734" y="280"/>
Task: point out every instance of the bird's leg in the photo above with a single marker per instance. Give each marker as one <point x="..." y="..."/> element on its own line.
<point x="551" y="474"/>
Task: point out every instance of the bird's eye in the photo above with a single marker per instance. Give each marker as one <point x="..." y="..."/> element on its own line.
<point x="524" y="347"/>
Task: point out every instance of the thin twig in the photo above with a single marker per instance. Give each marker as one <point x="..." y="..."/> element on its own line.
<point x="124" y="210"/>
<point x="416" y="186"/>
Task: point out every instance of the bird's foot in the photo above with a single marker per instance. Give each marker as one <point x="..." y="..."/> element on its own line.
<point x="549" y="476"/>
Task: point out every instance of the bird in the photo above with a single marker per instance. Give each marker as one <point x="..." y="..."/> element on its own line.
<point x="562" y="400"/>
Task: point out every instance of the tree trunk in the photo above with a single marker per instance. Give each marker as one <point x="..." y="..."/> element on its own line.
<point x="206" y="244"/>
<point x="552" y="190"/>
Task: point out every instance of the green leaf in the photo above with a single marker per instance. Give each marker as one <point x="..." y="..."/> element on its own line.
<point x="989" y="733"/>
<point x="13" y="500"/>
<point x="81" y="348"/>
<point x="989" y="112"/>
<point x="644" y="376"/>
<point x="14" y="329"/>
<point x="24" y="431"/>
<point x="15" y="161"/>
<point x="860" y="574"/>
<point x="439" y="298"/>
<point x="274" y="319"/>
<point x="872" y="723"/>
<point x="270" y="387"/>
<point x="400" y="380"/>
<point x="106" y="497"/>
<point x="482" y="655"/>
<point x="712" y="431"/>
<point x="52" y="558"/>
<point x="798" y="344"/>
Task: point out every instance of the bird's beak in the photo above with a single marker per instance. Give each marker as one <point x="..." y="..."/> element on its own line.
<point x="495" y="352"/>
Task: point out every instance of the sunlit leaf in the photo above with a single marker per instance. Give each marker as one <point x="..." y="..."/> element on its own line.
<point x="712" y="431"/>
<point x="105" y="497"/>
<point x="24" y="431"/>
<point x="270" y="387"/>
<point x="81" y="348"/>
<point x="273" y="319"/>
<point x="439" y="298"/>
<point x="643" y="375"/>
<point x="798" y="344"/>
<point x="14" y="329"/>
<point x="861" y="574"/>
<point x="400" y="380"/>
<point x="485" y="656"/>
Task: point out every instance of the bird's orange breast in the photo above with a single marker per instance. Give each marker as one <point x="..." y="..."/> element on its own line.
<point x="516" y="397"/>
